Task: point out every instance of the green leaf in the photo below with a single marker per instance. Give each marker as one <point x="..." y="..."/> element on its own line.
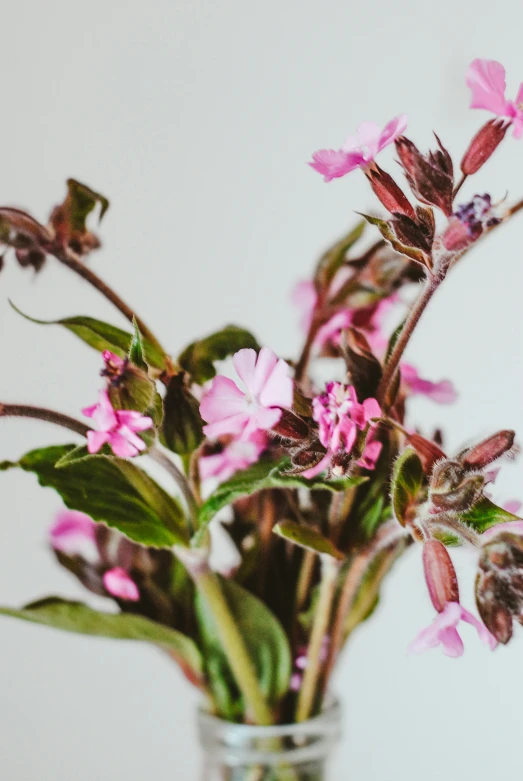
<point x="79" y="618"/>
<point x="199" y="357"/>
<point x="407" y="480"/>
<point x="485" y="514"/>
<point x="386" y="231"/>
<point x="307" y="537"/>
<point x="102" y="336"/>
<point x="264" y="637"/>
<point x="81" y="201"/>
<point x="137" y="349"/>
<point x="266" y="474"/>
<point x="332" y="260"/>
<point x="111" y="490"/>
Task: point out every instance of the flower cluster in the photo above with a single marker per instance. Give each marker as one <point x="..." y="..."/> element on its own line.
<point x="281" y="492"/>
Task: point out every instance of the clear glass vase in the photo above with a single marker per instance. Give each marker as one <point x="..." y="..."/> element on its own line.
<point x="289" y="752"/>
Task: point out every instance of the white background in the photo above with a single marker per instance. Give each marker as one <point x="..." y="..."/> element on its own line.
<point x="196" y="119"/>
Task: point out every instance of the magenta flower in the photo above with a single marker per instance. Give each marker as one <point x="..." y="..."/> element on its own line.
<point x="486" y="79"/>
<point x="237" y="454"/>
<point x="269" y="388"/>
<point x="117" y="427"/>
<point x="120" y="585"/>
<point x="339" y="415"/>
<point x="357" y="152"/>
<point x="442" y="392"/>
<point x="73" y="534"/>
<point x="443" y="631"/>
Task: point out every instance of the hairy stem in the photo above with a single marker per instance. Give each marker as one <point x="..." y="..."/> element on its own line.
<point x="311" y="676"/>
<point x="459" y="185"/>
<point x="234" y="647"/>
<point x="41" y="413"/>
<point x="411" y="322"/>
<point x="70" y="259"/>
<point x="181" y="481"/>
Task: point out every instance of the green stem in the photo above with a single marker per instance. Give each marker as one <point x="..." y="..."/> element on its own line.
<point x="233" y="644"/>
<point x="70" y="259"/>
<point x="311" y="676"/>
<point x="41" y="413"/>
<point x="181" y="481"/>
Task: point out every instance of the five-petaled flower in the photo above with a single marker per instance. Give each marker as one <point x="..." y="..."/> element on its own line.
<point x="116" y="427"/>
<point x="357" y="152"/>
<point x="443" y="631"/>
<point x="268" y="390"/>
<point x="486" y="79"/>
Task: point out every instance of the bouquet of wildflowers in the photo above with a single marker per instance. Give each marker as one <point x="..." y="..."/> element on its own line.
<point x="283" y="502"/>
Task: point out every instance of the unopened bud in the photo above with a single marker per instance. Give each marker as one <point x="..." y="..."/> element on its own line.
<point x="499" y="584"/>
<point x="291" y="427"/>
<point x="428" y="451"/>
<point x="430" y="176"/>
<point x="182" y="423"/>
<point x="412" y="233"/>
<point x="461" y="498"/>
<point x="128" y="386"/>
<point x="389" y="193"/>
<point x="440" y="575"/>
<point x="456" y="236"/>
<point x="480" y="456"/>
<point x="483" y="145"/>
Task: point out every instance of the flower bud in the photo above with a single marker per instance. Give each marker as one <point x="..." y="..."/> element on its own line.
<point x="390" y="195"/>
<point x="499" y="584"/>
<point x="291" y="427"/>
<point x="430" y="176"/>
<point x="182" y="423"/>
<point x="440" y="575"/>
<point x="483" y="145"/>
<point x="428" y="451"/>
<point x="456" y="236"/>
<point x="480" y="456"/>
<point x="461" y="499"/>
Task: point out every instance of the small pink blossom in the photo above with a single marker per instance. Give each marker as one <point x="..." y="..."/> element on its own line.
<point x="269" y="388"/>
<point x="237" y="454"/>
<point x="357" y="152"/>
<point x="443" y="631"/>
<point x="339" y="415"/>
<point x="442" y="392"/>
<point x="73" y="534"/>
<point x="486" y="79"/>
<point x="116" y="427"/>
<point x="120" y="585"/>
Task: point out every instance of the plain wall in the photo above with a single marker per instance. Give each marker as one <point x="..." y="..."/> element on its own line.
<point x="196" y="119"/>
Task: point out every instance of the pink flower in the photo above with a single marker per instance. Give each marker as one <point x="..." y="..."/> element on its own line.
<point x="120" y="585"/>
<point x="357" y="152"/>
<point x="304" y="297"/>
<point x="339" y="416"/>
<point x="229" y="410"/>
<point x="442" y="392"/>
<point x="74" y="535"/>
<point x="486" y="79"/>
<point x="443" y="631"/>
<point x="237" y="454"/>
<point x="116" y="427"/>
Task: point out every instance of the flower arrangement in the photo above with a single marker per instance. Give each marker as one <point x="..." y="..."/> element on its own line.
<point x="286" y="501"/>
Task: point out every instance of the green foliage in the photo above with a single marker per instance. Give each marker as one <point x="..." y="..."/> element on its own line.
<point x="485" y="514"/>
<point x="308" y="538"/>
<point x="81" y="201"/>
<point x="332" y="260"/>
<point x="102" y="336"/>
<point x="79" y="618"/>
<point x="407" y="480"/>
<point x="199" y="357"/>
<point x="263" y="475"/>
<point x="266" y="643"/>
<point x="111" y="490"/>
<point x="182" y="424"/>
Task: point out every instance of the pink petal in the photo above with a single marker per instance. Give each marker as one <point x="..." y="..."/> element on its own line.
<point x="119" y="584"/>
<point x="451" y="642"/>
<point x="245" y="364"/>
<point x="519" y="96"/>
<point x="483" y="633"/>
<point x="235" y="424"/>
<point x="121" y="446"/>
<point x="518" y="128"/>
<point x="333" y="327"/>
<point x="96" y="440"/>
<point x="486" y="79"/>
<point x="370" y="455"/>
<point x="304" y="297"/>
<point x="369" y="133"/>
<point x="89" y="411"/>
<point x="512" y="506"/>
<point x="264" y="418"/>
<point x="278" y="390"/>
<point x="104" y="415"/>
<point x="265" y="364"/>
<point x="392" y="130"/>
<point x="73" y="533"/>
<point x="131" y="437"/>
<point x="372" y="409"/>
<point x="134" y="420"/>
<point x="223" y="400"/>
<point x="225" y="557"/>
<point x="334" y="163"/>
<point x="514" y="527"/>
<point x="313" y="471"/>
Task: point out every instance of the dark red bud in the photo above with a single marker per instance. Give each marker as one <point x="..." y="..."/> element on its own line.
<point x="391" y="196"/>
<point x="483" y="145"/>
<point x="480" y="456"/>
<point x="291" y="427"/>
<point x="428" y="451"/>
<point x="461" y="499"/>
<point x="440" y="575"/>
